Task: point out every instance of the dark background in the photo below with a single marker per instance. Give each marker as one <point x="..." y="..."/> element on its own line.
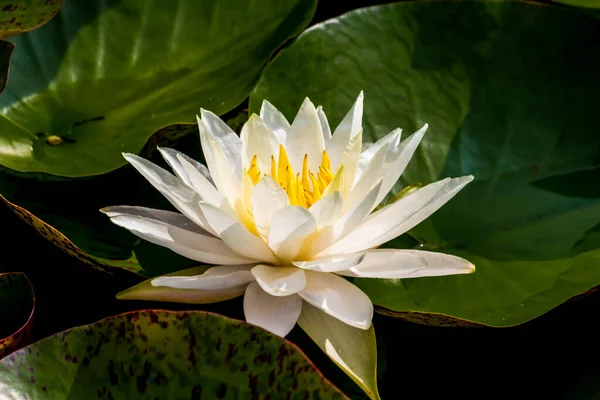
<point x="551" y="357"/>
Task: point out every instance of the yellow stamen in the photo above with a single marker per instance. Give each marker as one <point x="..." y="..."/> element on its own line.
<point x="291" y="191"/>
<point x="301" y="192"/>
<point x="303" y="189"/>
<point x="253" y="171"/>
<point x="322" y="179"/>
<point x="305" y="178"/>
<point x="284" y="169"/>
<point x="325" y="162"/>
<point x="316" y="189"/>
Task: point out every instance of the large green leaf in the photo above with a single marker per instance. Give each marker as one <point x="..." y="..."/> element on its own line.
<point x="20" y="16"/>
<point x="508" y="100"/>
<point x="104" y="75"/>
<point x="165" y="355"/>
<point x="17" y="303"/>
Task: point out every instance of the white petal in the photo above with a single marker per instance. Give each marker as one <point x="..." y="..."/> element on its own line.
<point x="331" y="264"/>
<point x="305" y="138"/>
<point x="235" y="235"/>
<point x="206" y="137"/>
<point x="228" y="140"/>
<point x="401" y="264"/>
<point x="393" y="220"/>
<point x="327" y="209"/>
<point x="440" y="264"/>
<point x="386" y="264"/>
<point x="289" y="227"/>
<point x="171" y="230"/>
<point x="346" y="130"/>
<point x="348" y="222"/>
<point x="145" y="291"/>
<point x="397" y="160"/>
<point x="170" y="156"/>
<point x="338" y="298"/>
<point x="200" y="184"/>
<point x="267" y="198"/>
<point x="221" y="169"/>
<point x="279" y="280"/>
<point x="274" y="120"/>
<point x="163" y="216"/>
<point x="277" y="315"/>
<point x="324" y="124"/>
<point x="216" y="278"/>
<point x="350" y="158"/>
<point x="244" y="204"/>
<point x="391" y="139"/>
<point x="180" y="195"/>
<point x="373" y="172"/>
<point x="259" y="141"/>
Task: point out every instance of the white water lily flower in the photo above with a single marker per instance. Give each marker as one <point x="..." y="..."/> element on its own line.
<point x="285" y="211"/>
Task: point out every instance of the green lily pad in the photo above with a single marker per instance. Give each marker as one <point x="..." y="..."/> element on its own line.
<point x="166" y="355"/>
<point x="20" y="16"/>
<point x="103" y="76"/>
<point x="581" y="3"/>
<point x="509" y="101"/>
<point x="17" y="304"/>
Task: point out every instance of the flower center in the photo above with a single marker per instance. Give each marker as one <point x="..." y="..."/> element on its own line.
<point x="303" y="189"/>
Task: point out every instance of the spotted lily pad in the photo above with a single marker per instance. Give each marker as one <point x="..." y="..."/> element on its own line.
<point x="18" y="16"/>
<point x="509" y="101"/>
<point x="17" y="304"/>
<point x="6" y="50"/>
<point x="104" y="75"/>
<point x="165" y="355"/>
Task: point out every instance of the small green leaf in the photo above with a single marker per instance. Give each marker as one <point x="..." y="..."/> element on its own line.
<point x="509" y="101"/>
<point x="166" y="355"/>
<point x="20" y="16"/>
<point x="103" y="76"/>
<point x="353" y="350"/>
<point x="17" y="304"/>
